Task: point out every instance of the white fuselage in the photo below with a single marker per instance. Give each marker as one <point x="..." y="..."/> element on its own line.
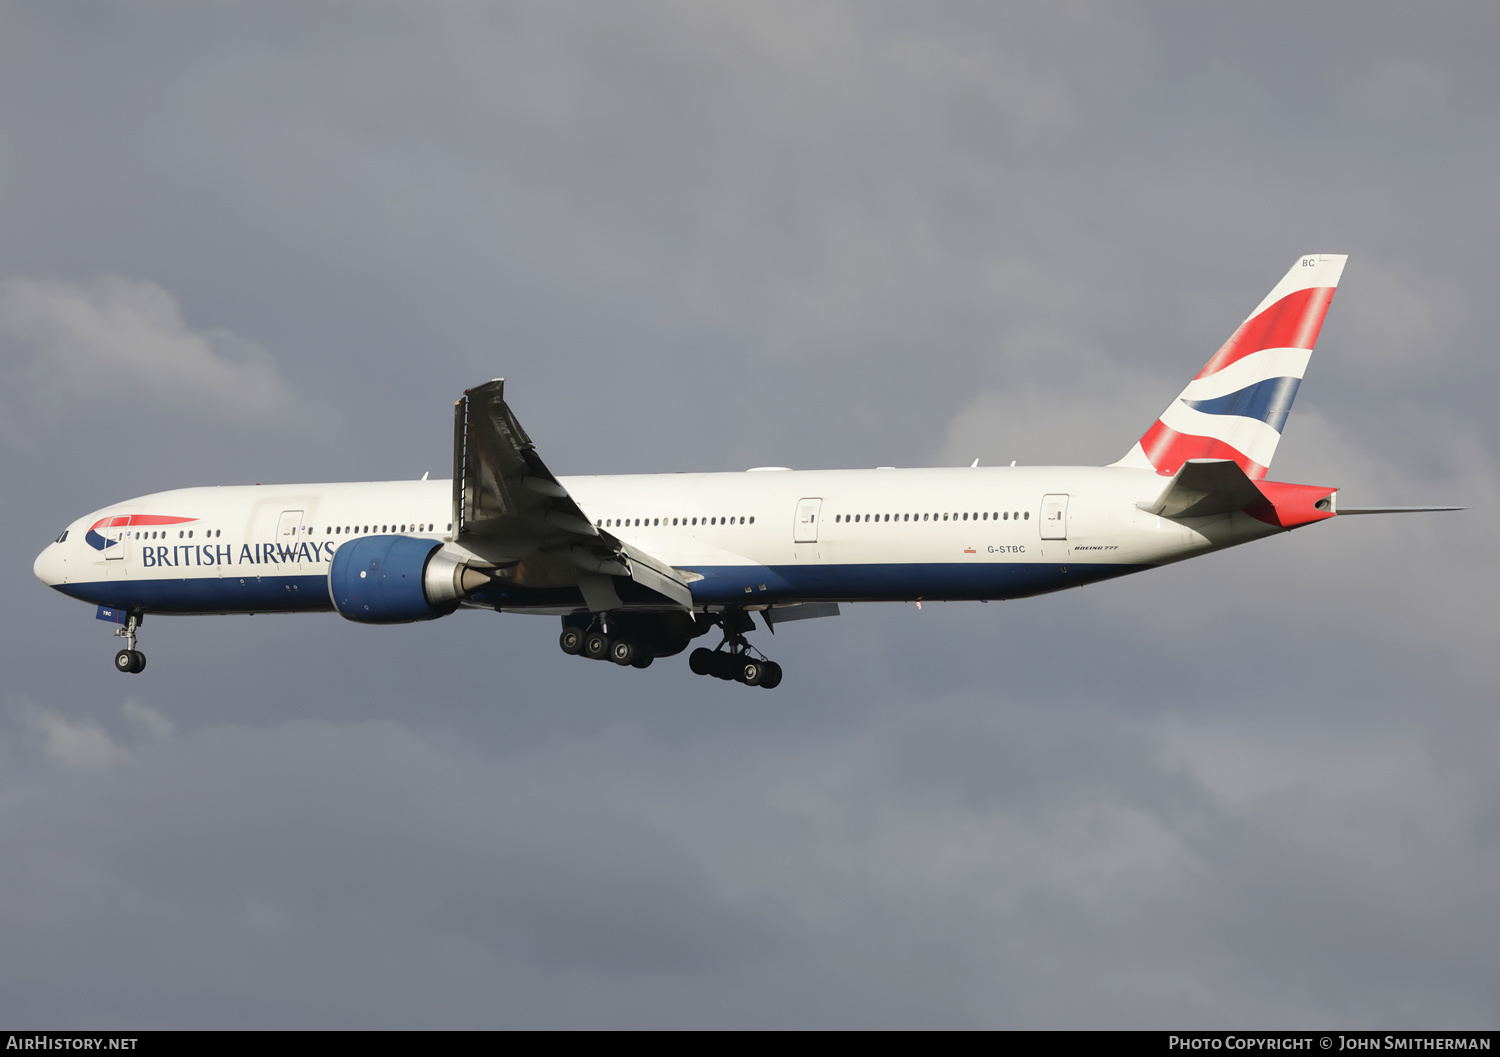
<point x="747" y="539"/>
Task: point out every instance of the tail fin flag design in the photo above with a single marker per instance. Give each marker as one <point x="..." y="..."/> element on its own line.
<point x="1237" y="405"/>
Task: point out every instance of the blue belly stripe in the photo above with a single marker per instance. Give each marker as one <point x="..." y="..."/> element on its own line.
<point x="229" y="594"/>
<point x="721" y="585"/>
<point x="958" y="581"/>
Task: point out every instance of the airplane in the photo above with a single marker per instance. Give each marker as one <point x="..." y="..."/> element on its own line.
<point x="639" y="566"/>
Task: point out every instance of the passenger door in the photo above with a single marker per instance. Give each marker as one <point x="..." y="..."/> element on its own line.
<point x="288" y="532"/>
<point x="118" y="535"/>
<point x="805" y="530"/>
<point x="1054" y="517"/>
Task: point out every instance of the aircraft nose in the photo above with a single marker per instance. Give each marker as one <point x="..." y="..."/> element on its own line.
<point x="47" y="566"/>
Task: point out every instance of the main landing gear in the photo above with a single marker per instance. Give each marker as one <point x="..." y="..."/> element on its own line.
<point x="130" y="659"/>
<point x="597" y="645"/>
<point x="734" y="659"/>
<point x="635" y="639"/>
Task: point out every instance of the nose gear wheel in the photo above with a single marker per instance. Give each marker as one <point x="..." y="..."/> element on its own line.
<point x="130" y="660"/>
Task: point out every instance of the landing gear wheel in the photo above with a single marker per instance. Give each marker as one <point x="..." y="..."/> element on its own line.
<point x="596" y="645"/>
<point x="701" y="661"/>
<point x="623" y="652"/>
<point x="642" y="660"/>
<point x="140" y="662"/>
<point x="724" y="666"/>
<point x="125" y="661"/>
<point x="735" y="659"/>
<point x="571" y="641"/>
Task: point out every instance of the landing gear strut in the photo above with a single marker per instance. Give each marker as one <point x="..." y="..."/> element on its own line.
<point x="130" y="659"/>
<point x="735" y="659"/>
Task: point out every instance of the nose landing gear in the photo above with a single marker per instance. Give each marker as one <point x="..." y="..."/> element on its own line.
<point x="130" y="660"/>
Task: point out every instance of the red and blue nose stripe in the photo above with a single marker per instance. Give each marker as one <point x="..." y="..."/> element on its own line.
<point x="99" y="543"/>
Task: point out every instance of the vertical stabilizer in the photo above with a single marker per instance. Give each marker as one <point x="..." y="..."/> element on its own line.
<point x="1236" y="406"/>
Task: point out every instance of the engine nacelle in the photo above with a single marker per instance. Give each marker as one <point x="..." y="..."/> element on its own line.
<point x="398" y="579"/>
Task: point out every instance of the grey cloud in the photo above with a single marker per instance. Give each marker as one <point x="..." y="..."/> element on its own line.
<point x="1250" y="789"/>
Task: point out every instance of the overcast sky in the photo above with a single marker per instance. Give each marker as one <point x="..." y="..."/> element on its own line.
<point x="247" y="242"/>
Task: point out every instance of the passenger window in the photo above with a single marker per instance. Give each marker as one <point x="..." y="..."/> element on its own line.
<point x="752" y="520"/>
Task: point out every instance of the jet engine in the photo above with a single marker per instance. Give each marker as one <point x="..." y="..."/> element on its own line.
<point x="399" y="579"/>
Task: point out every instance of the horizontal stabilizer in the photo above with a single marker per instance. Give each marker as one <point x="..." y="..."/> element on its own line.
<point x="1395" y="510"/>
<point x="1205" y="487"/>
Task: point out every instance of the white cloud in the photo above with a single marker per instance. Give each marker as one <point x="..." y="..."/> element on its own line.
<point x="154" y="723"/>
<point x="83" y="744"/>
<point x="68" y="344"/>
<point x="1063" y="402"/>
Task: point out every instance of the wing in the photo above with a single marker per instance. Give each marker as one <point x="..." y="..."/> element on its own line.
<point x="510" y="509"/>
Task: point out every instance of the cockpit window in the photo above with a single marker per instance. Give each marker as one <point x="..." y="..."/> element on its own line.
<point x="63" y="538"/>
